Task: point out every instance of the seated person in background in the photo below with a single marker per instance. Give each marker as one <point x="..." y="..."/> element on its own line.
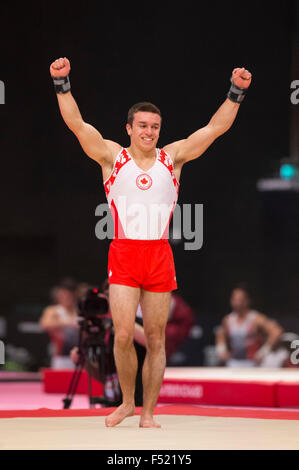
<point x="181" y="318"/>
<point x="180" y="321"/>
<point x="245" y="336"/>
<point x="59" y="320"/>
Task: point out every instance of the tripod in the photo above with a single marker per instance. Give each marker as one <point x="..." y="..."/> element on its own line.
<point x="95" y="348"/>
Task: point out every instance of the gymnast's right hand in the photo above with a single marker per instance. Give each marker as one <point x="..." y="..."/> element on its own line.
<point x="60" y="67"/>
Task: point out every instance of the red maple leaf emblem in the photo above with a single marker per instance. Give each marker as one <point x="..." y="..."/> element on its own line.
<point x="144" y="181"/>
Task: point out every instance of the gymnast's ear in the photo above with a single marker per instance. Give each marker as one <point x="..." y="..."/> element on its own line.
<point x="129" y="129"/>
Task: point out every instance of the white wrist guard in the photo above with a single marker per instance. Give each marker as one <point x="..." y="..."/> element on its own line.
<point x="221" y="349"/>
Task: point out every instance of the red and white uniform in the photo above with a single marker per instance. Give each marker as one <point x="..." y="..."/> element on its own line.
<point x="142" y="203"/>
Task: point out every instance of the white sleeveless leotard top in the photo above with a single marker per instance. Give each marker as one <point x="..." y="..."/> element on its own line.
<point x="242" y="336"/>
<point x="142" y="202"/>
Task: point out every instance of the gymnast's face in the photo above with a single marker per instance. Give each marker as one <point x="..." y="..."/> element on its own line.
<point x="145" y="130"/>
<point x="239" y="300"/>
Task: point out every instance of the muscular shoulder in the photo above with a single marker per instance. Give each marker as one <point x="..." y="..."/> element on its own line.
<point x="223" y="327"/>
<point x="263" y="322"/>
<point x="113" y="149"/>
<point x="108" y="162"/>
<point x="49" y="312"/>
<point x="260" y="318"/>
<point x="173" y="151"/>
<point x="225" y="320"/>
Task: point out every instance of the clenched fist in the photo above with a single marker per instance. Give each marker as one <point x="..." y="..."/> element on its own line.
<point x="241" y="77"/>
<point x="60" y="67"/>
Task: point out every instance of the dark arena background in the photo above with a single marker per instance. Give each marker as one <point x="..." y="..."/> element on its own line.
<point x="179" y="57"/>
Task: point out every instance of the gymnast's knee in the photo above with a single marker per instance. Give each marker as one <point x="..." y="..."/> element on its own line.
<point x="123" y="339"/>
<point x="155" y="342"/>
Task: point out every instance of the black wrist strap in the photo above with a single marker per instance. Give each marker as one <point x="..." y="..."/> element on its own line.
<point x="236" y="93"/>
<point x="61" y="84"/>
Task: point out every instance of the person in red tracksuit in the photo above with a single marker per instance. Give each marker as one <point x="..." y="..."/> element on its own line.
<point x="180" y="321"/>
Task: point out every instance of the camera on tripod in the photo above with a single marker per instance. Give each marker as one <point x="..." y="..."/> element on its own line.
<point x="94" y="304"/>
<point x="94" y="313"/>
<point x="96" y="338"/>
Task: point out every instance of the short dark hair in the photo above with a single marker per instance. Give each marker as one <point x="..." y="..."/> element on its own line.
<point x="142" y="106"/>
<point x="243" y="286"/>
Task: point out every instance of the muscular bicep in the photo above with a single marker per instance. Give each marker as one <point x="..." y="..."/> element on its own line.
<point x="196" y="144"/>
<point x="193" y="146"/>
<point x="269" y="326"/>
<point x="94" y="145"/>
<point x="222" y="331"/>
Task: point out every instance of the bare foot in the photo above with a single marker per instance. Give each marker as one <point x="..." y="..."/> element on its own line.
<point x="148" y="422"/>
<point x="118" y="415"/>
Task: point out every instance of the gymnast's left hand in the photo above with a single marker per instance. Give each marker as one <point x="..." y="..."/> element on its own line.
<point x="241" y="77"/>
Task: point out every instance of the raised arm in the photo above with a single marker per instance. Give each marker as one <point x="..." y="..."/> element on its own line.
<point x="196" y="144"/>
<point x="92" y="142"/>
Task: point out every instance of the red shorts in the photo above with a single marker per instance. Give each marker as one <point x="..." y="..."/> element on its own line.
<point x="147" y="264"/>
